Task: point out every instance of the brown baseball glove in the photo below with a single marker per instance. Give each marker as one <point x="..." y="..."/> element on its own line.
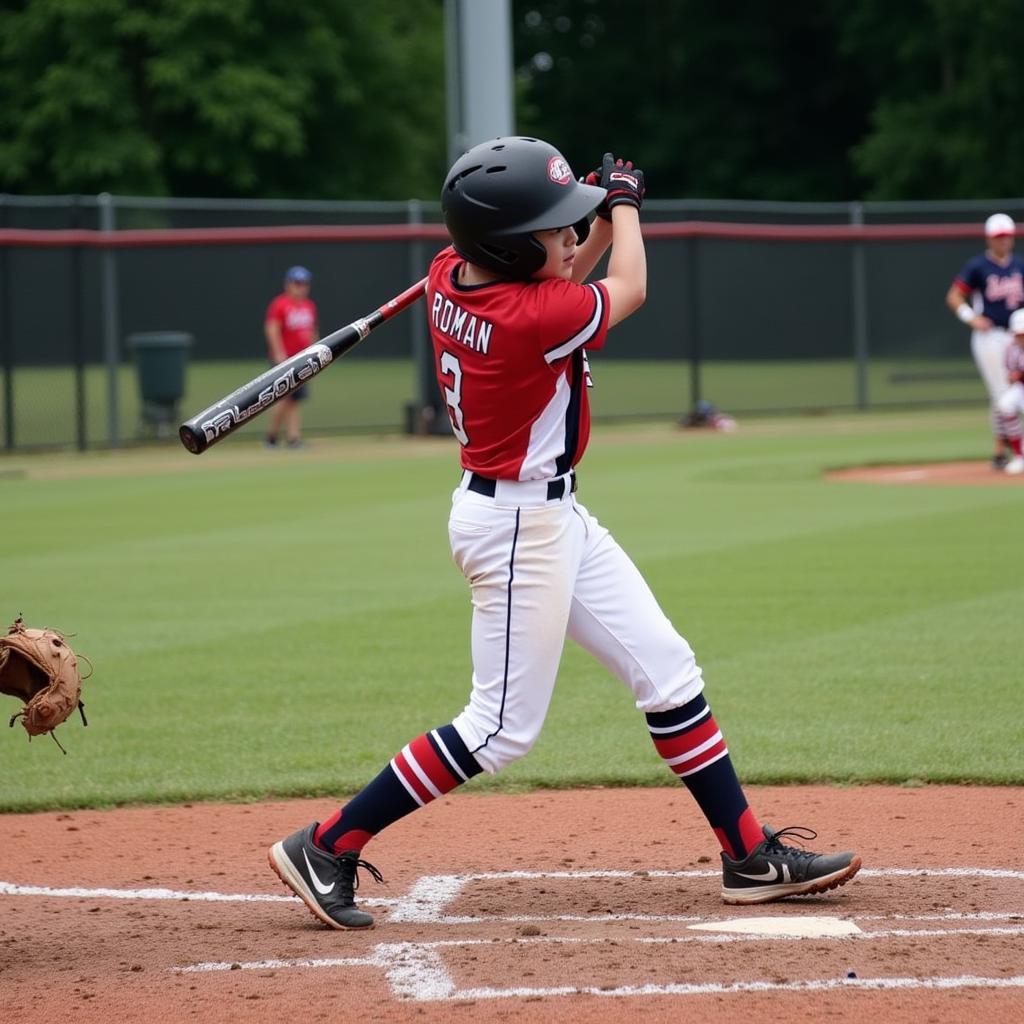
<point x="38" y="666"/>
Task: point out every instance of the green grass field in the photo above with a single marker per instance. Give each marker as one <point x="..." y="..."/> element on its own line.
<point x="371" y="394"/>
<point x="276" y="623"/>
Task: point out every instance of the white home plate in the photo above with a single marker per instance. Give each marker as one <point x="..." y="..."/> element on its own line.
<point x="800" y="927"/>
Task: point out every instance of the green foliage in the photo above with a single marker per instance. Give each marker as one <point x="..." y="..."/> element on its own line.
<point x="265" y="623"/>
<point x="942" y="117"/>
<point x="743" y="100"/>
<point x="371" y="394"/>
<point x="807" y="100"/>
<point x="203" y="97"/>
<point x="797" y="101"/>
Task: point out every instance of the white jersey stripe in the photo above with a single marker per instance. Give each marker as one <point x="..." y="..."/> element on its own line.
<point x="583" y="336"/>
<point x="547" y="436"/>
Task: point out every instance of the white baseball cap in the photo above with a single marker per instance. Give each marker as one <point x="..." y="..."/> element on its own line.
<point x="999" y="224"/>
<point x="1017" y="321"/>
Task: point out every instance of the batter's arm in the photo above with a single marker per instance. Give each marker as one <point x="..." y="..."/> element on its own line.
<point x="591" y="251"/>
<point x="626" y="282"/>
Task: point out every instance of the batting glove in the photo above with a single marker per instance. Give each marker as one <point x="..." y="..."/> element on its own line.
<point x="623" y="181"/>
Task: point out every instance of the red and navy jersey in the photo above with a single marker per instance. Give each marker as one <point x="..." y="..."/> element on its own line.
<point x="1000" y="288"/>
<point x="297" y="318"/>
<point x="510" y="363"/>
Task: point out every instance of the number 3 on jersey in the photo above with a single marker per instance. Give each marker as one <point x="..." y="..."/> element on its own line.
<point x="453" y="395"/>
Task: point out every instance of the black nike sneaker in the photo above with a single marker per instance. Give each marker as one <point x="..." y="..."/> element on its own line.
<point x="324" y="882"/>
<point x="773" y="870"/>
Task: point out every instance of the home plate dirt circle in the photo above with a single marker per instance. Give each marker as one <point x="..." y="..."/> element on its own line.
<point x="597" y="905"/>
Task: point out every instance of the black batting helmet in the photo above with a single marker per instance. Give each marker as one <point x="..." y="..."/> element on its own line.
<point x="498" y="193"/>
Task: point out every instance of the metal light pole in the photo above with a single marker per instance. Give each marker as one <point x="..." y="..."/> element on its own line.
<point x="478" y="72"/>
<point x="479" y="106"/>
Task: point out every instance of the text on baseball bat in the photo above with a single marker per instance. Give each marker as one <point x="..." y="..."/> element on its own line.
<point x="226" y="418"/>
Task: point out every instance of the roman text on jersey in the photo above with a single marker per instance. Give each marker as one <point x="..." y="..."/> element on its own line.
<point x="458" y="324"/>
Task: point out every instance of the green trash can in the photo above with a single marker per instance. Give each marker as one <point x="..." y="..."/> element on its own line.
<point x="160" y="359"/>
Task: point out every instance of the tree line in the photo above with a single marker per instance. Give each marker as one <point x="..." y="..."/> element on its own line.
<point x="808" y="100"/>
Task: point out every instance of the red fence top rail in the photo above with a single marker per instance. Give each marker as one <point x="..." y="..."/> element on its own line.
<point x="223" y="236"/>
<point x="17" y="237"/>
<point x="813" y="232"/>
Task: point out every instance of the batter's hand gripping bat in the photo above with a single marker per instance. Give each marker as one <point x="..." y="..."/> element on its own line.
<point x="229" y="413"/>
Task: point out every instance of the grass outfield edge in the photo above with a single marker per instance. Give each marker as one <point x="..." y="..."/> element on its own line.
<point x="492" y="789"/>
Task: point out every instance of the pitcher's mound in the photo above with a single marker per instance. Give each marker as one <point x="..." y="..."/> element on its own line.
<point x="977" y="473"/>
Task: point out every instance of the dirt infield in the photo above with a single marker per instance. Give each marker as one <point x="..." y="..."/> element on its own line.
<point x="594" y="905"/>
<point x="979" y="474"/>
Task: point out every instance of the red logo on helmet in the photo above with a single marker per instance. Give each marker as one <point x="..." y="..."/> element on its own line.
<point x="558" y="171"/>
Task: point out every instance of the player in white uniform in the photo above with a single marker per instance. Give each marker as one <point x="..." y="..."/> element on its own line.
<point x="512" y="319"/>
<point x="1011" y="402"/>
<point x="989" y="287"/>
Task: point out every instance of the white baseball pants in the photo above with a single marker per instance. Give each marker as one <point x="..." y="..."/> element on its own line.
<point x="989" y="351"/>
<point x="540" y="570"/>
<point x="1011" y="402"/>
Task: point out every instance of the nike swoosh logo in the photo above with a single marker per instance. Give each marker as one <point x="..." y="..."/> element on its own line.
<point x="324" y="890"/>
<point x="771" y="875"/>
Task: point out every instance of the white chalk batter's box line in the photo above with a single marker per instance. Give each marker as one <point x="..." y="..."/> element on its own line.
<point x="429" y="895"/>
<point x="416" y="971"/>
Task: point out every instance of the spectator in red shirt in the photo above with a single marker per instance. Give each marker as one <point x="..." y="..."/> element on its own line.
<point x="290" y="326"/>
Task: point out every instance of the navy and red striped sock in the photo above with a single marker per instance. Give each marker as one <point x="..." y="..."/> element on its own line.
<point x="432" y="765"/>
<point x="691" y="744"/>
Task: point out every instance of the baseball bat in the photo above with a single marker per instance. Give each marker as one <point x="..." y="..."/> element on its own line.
<point x="229" y="413"/>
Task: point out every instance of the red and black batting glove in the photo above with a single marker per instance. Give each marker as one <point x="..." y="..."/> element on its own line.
<point x="623" y="182"/>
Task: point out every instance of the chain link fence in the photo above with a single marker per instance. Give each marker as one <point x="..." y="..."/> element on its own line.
<point x="756" y="307"/>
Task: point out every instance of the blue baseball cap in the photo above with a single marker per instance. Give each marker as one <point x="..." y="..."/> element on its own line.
<point x="300" y="274"/>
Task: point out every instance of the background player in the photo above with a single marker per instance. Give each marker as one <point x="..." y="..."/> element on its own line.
<point x="1011" y="402"/>
<point x="987" y="290"/>
<point x="290" y="326"/>
<point x="511" y="321"/>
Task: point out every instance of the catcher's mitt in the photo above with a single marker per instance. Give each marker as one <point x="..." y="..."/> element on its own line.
<point x="39" y="667"/>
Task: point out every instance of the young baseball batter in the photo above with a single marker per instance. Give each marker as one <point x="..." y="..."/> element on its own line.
<point x="512" y="320"/>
